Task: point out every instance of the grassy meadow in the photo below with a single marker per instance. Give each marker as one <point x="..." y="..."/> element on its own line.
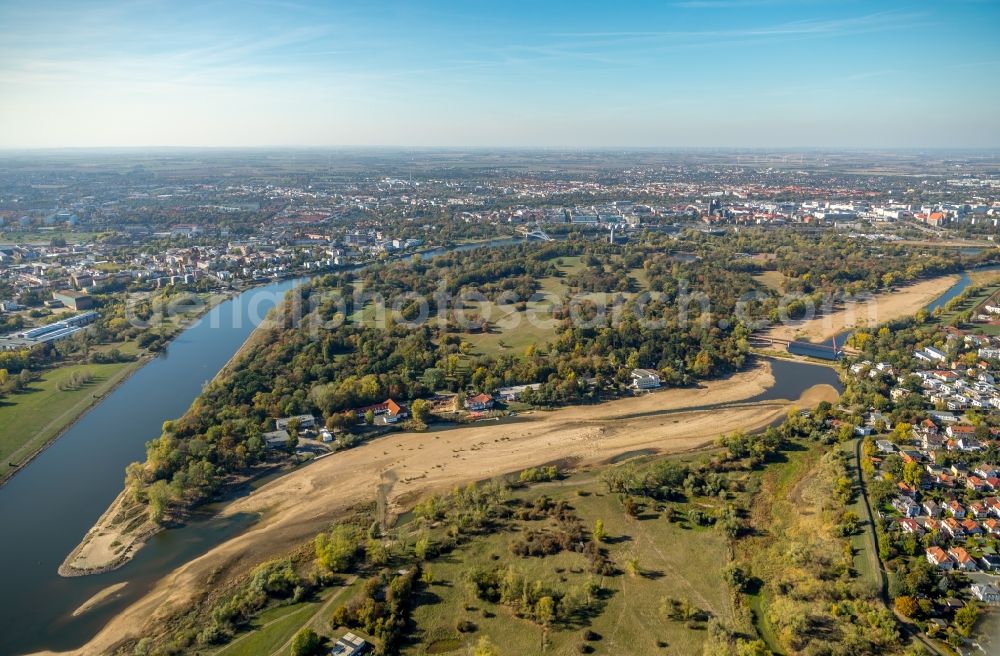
<point x="674" y="560"/>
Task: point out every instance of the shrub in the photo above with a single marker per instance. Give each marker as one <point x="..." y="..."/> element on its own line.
<point x="306" y="643"/>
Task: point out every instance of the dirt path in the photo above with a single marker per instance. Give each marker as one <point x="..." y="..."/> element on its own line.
<point x="297" y="506"/>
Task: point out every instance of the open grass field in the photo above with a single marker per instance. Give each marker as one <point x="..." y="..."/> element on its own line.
<point x="988" y="283"/>
<point x="512" y="331"/>
<point x="31" y="418"/>
<point x="980" y="278"/>
<point x="675" y="560"/>
<point x="773" y="280"/>
<point x="21" y="237"/>
<point x="640" y="277"/>
<point x="272" y="629"/>
<point x="865" y="552"/>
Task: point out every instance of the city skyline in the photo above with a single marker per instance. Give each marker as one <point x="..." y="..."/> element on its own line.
<point x="696" y="73"/>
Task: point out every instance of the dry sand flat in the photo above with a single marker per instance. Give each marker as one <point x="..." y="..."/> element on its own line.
<point x="879" y="309"/>
<point x="108" y="545"/>
<point x="102" y="596"/>
<point x="299" y="505"/>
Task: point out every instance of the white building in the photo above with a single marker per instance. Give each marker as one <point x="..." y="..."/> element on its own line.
<point x="645" y="379"/>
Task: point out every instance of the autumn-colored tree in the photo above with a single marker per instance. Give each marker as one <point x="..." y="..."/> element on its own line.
<point x="907" y="606"/>
<point x="421" y="410"/>
<point x="599" y="533"/>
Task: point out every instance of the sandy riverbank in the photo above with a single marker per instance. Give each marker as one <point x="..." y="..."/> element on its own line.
<point x="880" y="308"/>
<point x="297" y="506"/>
<point x="104" y="595"/>
<point x="115" y="537"/>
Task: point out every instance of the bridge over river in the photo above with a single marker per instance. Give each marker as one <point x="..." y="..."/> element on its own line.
<point x="829" y="350"/>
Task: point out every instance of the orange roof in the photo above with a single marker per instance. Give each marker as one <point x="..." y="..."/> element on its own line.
<point x="960" y="554"/>
<point x="937" y="553"/>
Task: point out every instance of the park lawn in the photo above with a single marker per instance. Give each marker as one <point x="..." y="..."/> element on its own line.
<point x="30" y="419"/>
<point x="22" y="237"/>
<point x="555" y="286"/>
<point x="511" y="331"/>
<point x="674" y="560"/>
<point x="773" y="280"/>
<point x="641" y="278"/>
<point x="270" y="630"/>
<point x="570" y="264"/>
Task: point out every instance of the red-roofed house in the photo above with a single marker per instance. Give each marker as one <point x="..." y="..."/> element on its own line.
<point x="952" y="527"/>
<point x="971" y="527"/>
<point x="978" y="509"/>
<point x="975" y="483"/>
<point x="479" y="402"/>
<point x="962" y="559"/>
<point x="960" y="430"/>
<point x="388" y="409"/>
<point x="936" y="556"/>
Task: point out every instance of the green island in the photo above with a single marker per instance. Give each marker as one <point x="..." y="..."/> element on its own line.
<point x="759" y="542"/>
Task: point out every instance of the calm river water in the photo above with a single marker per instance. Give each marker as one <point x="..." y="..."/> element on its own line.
<point x="47" y="508"/>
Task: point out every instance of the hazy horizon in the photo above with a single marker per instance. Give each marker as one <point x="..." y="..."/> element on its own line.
<point x="721" y="74"/>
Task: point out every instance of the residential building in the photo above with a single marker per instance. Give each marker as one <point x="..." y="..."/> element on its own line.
<point x="479" y="402"/>
<point x="986" y="593"/>
<point x="939" y="558"/>
<point x="645" y="379"/>
<point x="350" y="645"/>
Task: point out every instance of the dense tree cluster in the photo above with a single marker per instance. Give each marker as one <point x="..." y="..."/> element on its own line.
<point x="382" y="609"/>
<point x="325" y="355"/>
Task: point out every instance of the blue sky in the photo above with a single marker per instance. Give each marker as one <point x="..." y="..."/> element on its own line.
<point x="689" y="73"/>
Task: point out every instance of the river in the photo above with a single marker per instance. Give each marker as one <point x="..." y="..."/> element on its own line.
<point x="803" y="348"/>
<point x="46" y="508"/>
